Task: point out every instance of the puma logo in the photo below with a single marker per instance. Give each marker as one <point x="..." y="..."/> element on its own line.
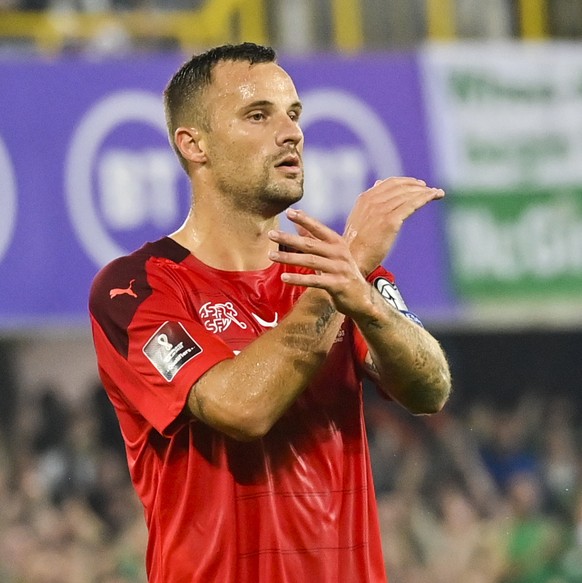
<point x="118" y="291"/>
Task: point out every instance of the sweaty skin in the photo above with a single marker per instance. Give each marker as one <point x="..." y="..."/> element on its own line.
<point x="247" y="168"/>
<point x="218" y="335"/>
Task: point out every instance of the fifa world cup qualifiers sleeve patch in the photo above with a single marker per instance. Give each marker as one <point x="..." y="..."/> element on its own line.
<point x="170" y="348"/>
<point x="390" y="292"/>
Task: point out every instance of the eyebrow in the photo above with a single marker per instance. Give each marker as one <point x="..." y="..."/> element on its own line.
<point x="266" y="103"/>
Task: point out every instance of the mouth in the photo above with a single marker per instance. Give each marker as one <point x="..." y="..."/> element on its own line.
<point x="290" y="164"/>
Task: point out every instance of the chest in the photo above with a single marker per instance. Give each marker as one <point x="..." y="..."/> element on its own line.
<point x="240" y="310"/>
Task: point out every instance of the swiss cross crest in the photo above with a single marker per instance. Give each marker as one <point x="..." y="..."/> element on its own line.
<point x="218" y="317"/>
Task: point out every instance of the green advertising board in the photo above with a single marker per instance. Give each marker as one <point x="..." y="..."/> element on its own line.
<point x="506" y="130"/>
<point x="516" y="244"/>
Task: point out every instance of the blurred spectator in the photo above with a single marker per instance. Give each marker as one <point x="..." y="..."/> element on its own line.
<point x="535" y="540"/>
<point x="459" y="544"/>
<point x="9" y="395"/>
<point x="560" y="460"/>
<point x="402" y="549"/>
<point x="49" y="443"/>
<point x="571" y="562"/>
<point x="510" y="446"/>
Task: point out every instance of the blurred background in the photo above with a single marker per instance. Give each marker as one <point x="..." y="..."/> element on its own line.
<point x="483" y="99"/>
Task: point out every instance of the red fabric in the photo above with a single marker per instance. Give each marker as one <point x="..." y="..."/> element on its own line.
<point x="297" y="505"/>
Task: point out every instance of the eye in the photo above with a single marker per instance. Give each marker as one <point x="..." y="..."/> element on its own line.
<point x="257" y="116"/>
<point x="294" y="115"/>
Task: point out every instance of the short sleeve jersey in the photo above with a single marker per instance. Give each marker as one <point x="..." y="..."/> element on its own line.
<point x="296" y="505"/>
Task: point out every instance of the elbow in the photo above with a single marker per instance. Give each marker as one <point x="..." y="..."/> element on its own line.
<point x="245" y="427"/>
<point x="425" y="396"/>
<point x="430" y="398"/>
<point x="242" y="420"/>
<point x="427" y="408"/>
<point x="245" y="434"/>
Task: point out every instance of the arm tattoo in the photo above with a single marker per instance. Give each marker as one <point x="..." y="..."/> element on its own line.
<point x="374" y="322"/>
<point x="323" y="321"/>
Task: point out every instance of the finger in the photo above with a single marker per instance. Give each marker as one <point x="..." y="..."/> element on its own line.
<point x="392" y="201"/>
<point x="304" y="244"/>
<point x="394" y="195"/>
<point x="400" y="188"/>
<point x="412" y="203"/>
<point x="401" y="180"/>
<point x="421" y="194"/>
<point x="305" y="280"/>
<point x="302" y="232"/>
<point x="309" y="246"/>
<point x="307" y="260"/>
<point x="311" y="225"/>
<point x="399" y="213"/>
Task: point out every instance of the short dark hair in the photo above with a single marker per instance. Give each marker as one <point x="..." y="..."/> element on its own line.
<point x="182" y="101"/>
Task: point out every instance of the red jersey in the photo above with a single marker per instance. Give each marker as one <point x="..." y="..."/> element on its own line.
<point x="296" y="505"/>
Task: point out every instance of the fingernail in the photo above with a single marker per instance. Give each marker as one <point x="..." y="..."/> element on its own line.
<point x="292" y="213"/>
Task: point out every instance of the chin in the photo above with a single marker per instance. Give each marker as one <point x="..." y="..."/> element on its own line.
<point x="288" y="193"/>
<point x="296" y="196"/>
<point x="275" y="205"/>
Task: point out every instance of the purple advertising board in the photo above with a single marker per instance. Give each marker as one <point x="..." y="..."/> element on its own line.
<point x="87" y="174"/>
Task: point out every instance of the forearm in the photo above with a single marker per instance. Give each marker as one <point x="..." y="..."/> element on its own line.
<point x="406" y="360"/>
<point x="245" y="396"/>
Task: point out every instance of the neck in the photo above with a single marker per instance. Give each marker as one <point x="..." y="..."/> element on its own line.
<point x="226" y="240"/>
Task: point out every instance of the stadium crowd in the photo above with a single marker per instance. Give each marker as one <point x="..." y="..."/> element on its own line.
<point x="484" y="493"/>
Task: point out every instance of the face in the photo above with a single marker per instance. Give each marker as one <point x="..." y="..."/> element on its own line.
<point x="254" y="147"/>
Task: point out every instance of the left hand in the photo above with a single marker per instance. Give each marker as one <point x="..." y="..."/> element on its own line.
<point x="378" y="215"/>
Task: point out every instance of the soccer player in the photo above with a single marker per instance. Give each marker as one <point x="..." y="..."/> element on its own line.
<point x="234" y="352"/>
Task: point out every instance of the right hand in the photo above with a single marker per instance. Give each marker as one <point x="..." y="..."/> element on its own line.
<point x="327" y="254"/>
<point x="378" y="215"/>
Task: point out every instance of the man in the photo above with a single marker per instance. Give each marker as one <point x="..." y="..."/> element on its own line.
<point x="235" y="365"/>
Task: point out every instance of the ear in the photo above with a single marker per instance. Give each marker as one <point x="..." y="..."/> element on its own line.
<point x="191" y="144"/>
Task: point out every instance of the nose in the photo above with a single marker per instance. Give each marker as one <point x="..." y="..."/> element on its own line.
<point x="288" y="131"/>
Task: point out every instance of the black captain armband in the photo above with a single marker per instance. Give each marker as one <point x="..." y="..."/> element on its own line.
<point x="390" y="292"/>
